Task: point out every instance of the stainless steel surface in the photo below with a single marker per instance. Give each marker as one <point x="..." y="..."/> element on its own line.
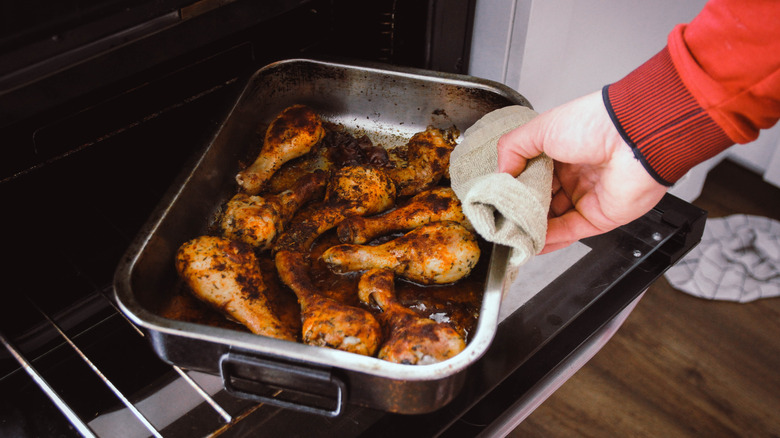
<point x="387" y="104"/>
<point x="137" y="421"/>
<point x="226" y="417"/>
<point x="102" y="377"/>
<point x="28" y="367"/>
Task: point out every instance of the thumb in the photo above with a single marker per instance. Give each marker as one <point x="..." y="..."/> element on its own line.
<point x="518" y="146"/>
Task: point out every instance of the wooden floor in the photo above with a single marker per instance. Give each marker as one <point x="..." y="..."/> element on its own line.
<point x="681" y="366"/>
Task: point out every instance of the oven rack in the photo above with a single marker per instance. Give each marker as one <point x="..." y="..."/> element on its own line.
<point x="225" y="412"/>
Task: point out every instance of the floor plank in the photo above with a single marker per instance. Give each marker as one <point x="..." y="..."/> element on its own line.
<point x="682" y="366"/>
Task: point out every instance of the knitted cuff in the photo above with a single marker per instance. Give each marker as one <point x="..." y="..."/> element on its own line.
<point x="660" y="119"/>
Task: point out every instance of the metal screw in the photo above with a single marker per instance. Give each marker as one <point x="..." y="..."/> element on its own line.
<point x="637" y="253"/>
<point x="656" y="236"/>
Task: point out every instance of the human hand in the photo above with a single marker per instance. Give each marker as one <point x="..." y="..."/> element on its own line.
<point x="598" y="184"/>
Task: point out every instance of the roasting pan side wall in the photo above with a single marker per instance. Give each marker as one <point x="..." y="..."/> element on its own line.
<point x="386" y="103"/>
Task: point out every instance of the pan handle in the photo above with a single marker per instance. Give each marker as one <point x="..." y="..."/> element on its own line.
<point x="311" y="390"/>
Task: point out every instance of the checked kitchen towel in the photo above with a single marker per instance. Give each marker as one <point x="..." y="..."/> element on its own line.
<point x="738" y="259"/>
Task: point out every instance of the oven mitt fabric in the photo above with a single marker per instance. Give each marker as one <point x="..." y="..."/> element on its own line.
<point x="738" y="259"/>
<point x="503" y="209"/>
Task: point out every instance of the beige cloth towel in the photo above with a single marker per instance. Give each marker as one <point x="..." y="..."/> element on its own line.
<point x="505" y="210"/>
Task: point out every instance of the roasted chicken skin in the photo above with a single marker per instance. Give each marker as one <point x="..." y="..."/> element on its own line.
<point x="436" y="253"/>
<point x="409" y="338"/>
<point x="316" y="160"/>
<point x="225" y="271"/>
<point x="353" y="190"/>
<point x="226" y="275"/>
<point x="326" y="322"/>
<point x="258" y="220"/>
<point x="428" y="161"/>
<point x="437" y="204"/>
<point x="293" y="133"/>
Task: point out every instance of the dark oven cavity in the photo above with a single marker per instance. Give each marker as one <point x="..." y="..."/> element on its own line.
<point x="101" y="104"/>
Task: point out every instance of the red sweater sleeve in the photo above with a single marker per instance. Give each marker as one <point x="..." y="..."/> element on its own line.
<point x="716" y="83"/>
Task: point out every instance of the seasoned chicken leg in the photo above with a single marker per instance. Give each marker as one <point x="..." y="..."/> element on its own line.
<point x="437" y="253"/>
<point x="428" y="160"/>
<point x="257" y="221"/>
<point x="225" y="274"/>
<point x="409" y="338"/>
<point x="437" y="204"/>
<point x="326" y="322"/>
<point x="290" y="135"/>
<point x="353" y="190"/>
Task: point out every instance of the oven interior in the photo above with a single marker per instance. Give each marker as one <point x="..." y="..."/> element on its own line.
<point x="101" y="104"/>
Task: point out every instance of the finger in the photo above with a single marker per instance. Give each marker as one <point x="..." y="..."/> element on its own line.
<point x="554" y="247"/>
<point x="518" y="146"/>
<point x="560" y="203"/>
<point x="569" y="227"/>
<point x="509" y="160"/>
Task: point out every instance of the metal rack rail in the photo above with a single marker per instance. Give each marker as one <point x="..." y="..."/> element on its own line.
<point x="82" y="426"/>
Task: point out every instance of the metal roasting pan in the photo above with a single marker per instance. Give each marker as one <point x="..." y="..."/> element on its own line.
<point x="387" y="103"/>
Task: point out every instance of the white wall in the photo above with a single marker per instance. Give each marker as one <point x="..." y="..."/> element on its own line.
<point x="552" y="51"/>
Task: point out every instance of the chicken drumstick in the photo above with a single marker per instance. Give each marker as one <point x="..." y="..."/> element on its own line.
<point x="428" y="156"/>
<point x="437" y="204"/>
<point x="290" y="135"/>
<point x="437" y="253"/>
<point x="226" y="275"/>
<point x="409" y="338"/>
<point x="326" y="322"/>
<point x="352" y="190"/>
<point x="257" y="221"/>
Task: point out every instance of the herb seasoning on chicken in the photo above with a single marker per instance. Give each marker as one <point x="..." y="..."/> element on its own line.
<point x="437" y="204"/>
<point x="293" y="133"/>
<point x="428" y="161"/>
<point x="226" y="275"/>
<point x="309" y="178"/>
<point x="437" y="253"/>
<point x="409" y="338"/>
